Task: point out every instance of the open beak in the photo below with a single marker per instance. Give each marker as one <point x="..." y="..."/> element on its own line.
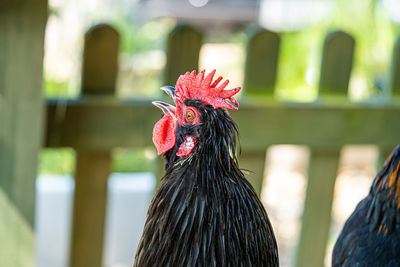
<point x="170" y="91"/>
<point x="165" y="107"/>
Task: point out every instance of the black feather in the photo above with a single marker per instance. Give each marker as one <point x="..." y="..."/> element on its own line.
<point x="205" y="212"/>
<point x="371" y="236"/>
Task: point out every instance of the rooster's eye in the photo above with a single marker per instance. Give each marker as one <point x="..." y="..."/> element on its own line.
<point x="189" y="115"/>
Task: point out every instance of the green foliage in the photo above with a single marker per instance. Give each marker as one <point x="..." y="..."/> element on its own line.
<point x="133" y="160"/>
<point x="300" y="55"/>
<point x="57" y="161"/>
<point x="298" y="64"/>
<point x="56" y="89"/>
<point x="374" y="35"/>
<point x="137" y="38"/>
<point x="62" y="161"/>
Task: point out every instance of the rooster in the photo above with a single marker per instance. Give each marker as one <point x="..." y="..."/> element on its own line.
<point x="205" y="212"/>
<point x="371" y="236"/>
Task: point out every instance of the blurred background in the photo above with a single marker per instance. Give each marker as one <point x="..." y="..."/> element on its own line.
<point x="144" y="28"/>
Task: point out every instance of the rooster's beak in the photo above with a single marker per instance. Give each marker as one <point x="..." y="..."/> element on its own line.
<point x="165" y="107"/>
<point x="170" y="91"/>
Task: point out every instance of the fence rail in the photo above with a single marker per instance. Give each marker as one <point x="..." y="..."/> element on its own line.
<point x="98" y="122"/>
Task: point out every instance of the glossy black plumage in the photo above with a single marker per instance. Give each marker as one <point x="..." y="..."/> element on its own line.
<point x="205" y="212"/>
<point x="371" y="236"/>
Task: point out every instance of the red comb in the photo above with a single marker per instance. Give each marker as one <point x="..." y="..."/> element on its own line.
<point x="195" y="86"/>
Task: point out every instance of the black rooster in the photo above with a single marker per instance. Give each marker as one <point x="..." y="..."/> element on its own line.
<point x="371" y="236"/>
<point x="205" y="212"/>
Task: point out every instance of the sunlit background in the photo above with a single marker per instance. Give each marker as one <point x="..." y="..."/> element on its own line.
<point x="144" y="26"/>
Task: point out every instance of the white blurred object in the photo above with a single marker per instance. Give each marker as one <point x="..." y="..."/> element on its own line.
<point x="392" y="7"/>
<point x="128" y="198"/>
<point x="202" y="13"/>
<point x="283" y="196"/>
<point x="198" y="3"/>
<point x="292" y="15"/>
<point x="53" y="219"/>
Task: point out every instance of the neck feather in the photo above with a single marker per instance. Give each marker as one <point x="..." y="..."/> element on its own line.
<point x="384" y="211"/>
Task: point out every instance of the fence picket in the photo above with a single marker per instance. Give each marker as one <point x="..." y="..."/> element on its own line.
<point x="260" y="78"/>
<point x="316" y="218"/>
<point x="261" y="62"/>
<point x="100" y="68"/>
<point x="91" y="176"/>
<point x="100" y="60"/>
<point x="337" y="61"/>
<point x="183" y="49"/>
<point x="394" y="83"/>
<point x="335" y="74"/>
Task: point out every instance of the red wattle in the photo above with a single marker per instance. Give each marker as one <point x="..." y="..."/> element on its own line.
<point x="186" y="147"/>
<point x="164" y="133"/>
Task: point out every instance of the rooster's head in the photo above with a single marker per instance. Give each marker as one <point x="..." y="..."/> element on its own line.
<point x="196" y="97"/>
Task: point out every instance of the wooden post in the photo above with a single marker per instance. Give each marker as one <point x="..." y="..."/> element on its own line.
<point x="337" y="61"/>
<point x="261" y="62"/>
<point x="317" y="208"/>
<point x="22" y="27"/>
<point x="394" y="83"/>
<point x="92" y="171"/>
<point x="100" y="68"/>
<point x="183" y="49"/>
<point x="260" y="78"/>
<point x="334" y="81"/>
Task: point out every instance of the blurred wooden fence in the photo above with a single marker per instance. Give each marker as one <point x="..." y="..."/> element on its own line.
<point x="97" y="122"/>
<point x="22" y="27"/>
